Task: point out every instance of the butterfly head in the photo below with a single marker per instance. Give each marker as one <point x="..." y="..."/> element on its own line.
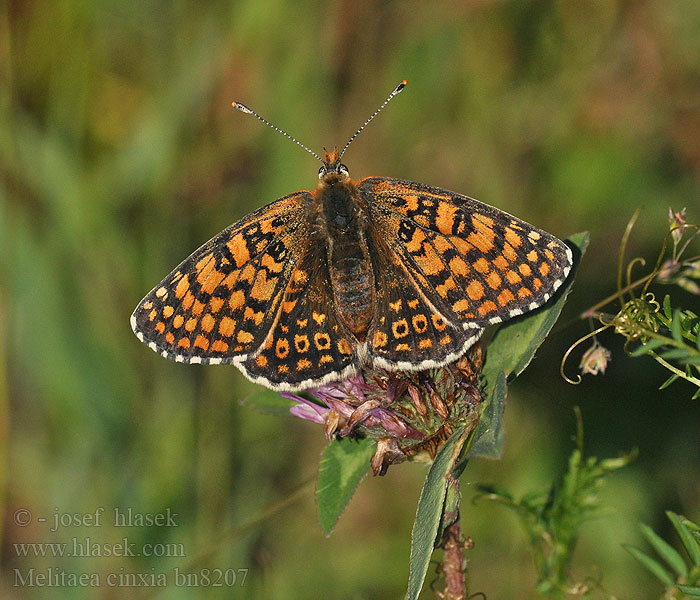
<point x="332" y="169"/>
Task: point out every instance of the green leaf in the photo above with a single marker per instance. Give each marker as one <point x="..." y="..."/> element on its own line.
<point x="665" y="550"/>
<point x="516" y="341"/>
<point x="430" y="511"/>
<point x="450" y="511"/>
<point x="490" y="433"/>
<point x="676" y="326"/>
<point x="644" y="348"/>
<point x="651" y="565"/>
<point x="268" y="402"/>
<point x="691" y="546"/>
<point x="344" y="463"/>
<point x="693" y="592"/>
<point x="668" y="382"/>
<point x="668" y="311"/>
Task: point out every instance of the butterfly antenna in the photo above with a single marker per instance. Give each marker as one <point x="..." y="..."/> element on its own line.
<point x="243" y="108"/>
<point x="396" y="90"/>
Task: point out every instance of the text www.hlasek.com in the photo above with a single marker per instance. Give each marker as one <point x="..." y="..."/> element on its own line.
<point x="84" y="547"/>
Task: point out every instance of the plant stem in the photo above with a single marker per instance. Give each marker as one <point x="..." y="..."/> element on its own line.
<point x="454" y="564"/>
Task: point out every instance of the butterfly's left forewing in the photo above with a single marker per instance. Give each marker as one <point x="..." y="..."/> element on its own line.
<point x="219" y="303"/>
<point x="476" y="264"/>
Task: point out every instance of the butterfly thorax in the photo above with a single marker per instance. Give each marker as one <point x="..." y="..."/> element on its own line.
<point x="342" y="223"/>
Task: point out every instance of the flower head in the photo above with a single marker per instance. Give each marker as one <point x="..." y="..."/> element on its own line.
<point x="595" y="359"/>
<point x="406" y="412"/>
<point x="676" y="222"/>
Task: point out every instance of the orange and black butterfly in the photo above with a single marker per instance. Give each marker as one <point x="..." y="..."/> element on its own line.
<point x="381" y="272"/>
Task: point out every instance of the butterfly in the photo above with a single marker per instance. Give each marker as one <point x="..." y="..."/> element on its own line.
<point x="380" y="272"/>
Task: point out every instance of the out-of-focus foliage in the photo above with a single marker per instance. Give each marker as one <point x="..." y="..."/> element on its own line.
<point x="120" y="154"/>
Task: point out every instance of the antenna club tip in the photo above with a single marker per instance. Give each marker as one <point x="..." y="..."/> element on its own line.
<point x="241" y="107"/>
<point x="401" y="85"/>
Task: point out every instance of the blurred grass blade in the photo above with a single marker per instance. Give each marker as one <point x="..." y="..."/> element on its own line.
<point x="665" y="550"/>
<point x="691" y="545"/>
<point x="268" y="402"/>
<point x="344" y="463"/>
<point x="651" y="565"/>
<point x="430" y="511"/>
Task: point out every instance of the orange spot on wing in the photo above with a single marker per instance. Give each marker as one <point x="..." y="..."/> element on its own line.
<point x="523" y="292"/>
<point x="344" y="347"/>
<point x="169" y="337"/>
<point x="215" y="304"/>
<point x="236" y="300"/>
<point x="513" y="238"/>
<point x="380" y="339"/>
<point x="478" y="240"/>
<point x="168" y="311"/>
<point x="208" y="322"/>
<point x="513" y="277"/>
<point x="458" y="266"/>
<point x="532" y="255"/>
<point x="239" y="249"/>
<point x="426" y="343"/>
<point x="187" y="302"/>
<point x="461" y="305"/>
<point x="244" y="337"/>
<point x="219" y="346"/>
<point x="501" y="262"/>
<point x="201" y="342"/>
<point x="182" y="286"/>
<point x="481" y="265"/>
<point x="475" y="290"/>
<point x="197" y="308"/>
<point x="227" y="326"/>
<point x="445" y="218"/>
<point x="160" y="327"/>
<point x="261" y="360"/>
<point x="303" y="364"/>
<point x="178" y="321"/>
<point x="544" y="269"/>
<point x="493" y="280"/>
<point x="183" y="343"/>
<point x="191" y="324"/>
<point x="487" y="307"/>
<point x="525" y="269"/>
<point x="505" y="297"/>
<point x="211" y="282"/>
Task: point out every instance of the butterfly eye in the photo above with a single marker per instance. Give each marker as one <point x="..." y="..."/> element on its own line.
<point x="321" y="172"/>
<point x="344" y="170"/>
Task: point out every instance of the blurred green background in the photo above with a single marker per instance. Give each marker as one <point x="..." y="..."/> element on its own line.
<point x="120" y="154"/>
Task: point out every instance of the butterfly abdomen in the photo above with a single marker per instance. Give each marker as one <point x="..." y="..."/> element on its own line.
<point x="350" y="267"/>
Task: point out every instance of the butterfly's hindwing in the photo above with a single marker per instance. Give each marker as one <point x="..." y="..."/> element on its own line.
<point x="408" y="332"/>
<point x="308" y="343"/>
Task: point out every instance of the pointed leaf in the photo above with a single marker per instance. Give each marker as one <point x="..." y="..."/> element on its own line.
<point x="668" y="382"/>
<point x="490" y="433"/>
<point x="430" y="511"/>
<point x="644" y="348"/>
<point x="693" y="592"/>
<point x="691" y="545"/>
<point x="668" y="311"/>
<point x="344" y="463"/>
<point x="515" y="343"/>
<point x="665" y="550"/>
<point x="676" y="326"/>
<point x="651" y="565"/>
